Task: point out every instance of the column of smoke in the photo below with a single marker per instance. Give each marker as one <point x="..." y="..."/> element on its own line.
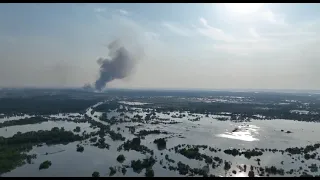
<point x="118" y="66"/>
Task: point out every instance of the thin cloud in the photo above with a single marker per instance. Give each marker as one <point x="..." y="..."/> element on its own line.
<point x="123" y="12"/>
<point x="254" y="33"/>
<point x="152" y="36"/>
<point x="176" y="29"/>
<point x="272" y="17"/>
<point x="204" y="21"/>
<point x="212" y="32"/>
<point x="98" y="10"/>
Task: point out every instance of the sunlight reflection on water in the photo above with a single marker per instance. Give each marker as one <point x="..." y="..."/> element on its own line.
<point x="241" y="174"/>
<point x="242" y="132"/>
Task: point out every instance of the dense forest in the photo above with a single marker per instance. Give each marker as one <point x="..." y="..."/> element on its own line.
<point x="43" y="105"/>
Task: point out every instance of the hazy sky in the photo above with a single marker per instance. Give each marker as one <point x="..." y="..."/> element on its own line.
<point x="209" y="46"/>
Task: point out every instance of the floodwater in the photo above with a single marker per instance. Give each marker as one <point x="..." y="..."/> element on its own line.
<point x="12" y="118"/>
<point x="207" y="131"/>
<point x="68" y="126"/>
<point x="132" y="103"/>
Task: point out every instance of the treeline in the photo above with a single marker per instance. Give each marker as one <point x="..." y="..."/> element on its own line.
<point x="25" y="121"/>
<point x="44" y="105"/>
<point x="241" y="111"/>
<point x="54" y="136"/>
<point x="13" y="149"/>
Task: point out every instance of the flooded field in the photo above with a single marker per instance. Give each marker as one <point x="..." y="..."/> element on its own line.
<point x="175" y="142"/>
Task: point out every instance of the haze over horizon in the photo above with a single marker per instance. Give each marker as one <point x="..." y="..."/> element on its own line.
<point x="185" y="46"/>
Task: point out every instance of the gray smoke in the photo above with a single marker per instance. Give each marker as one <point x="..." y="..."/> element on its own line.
<point x="118" y="66"/>
<point x="87" y="87"/>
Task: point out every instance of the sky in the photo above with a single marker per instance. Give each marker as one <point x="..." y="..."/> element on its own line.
<point x="185" y="45"/>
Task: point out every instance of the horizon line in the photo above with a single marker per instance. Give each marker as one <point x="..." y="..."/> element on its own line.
<point x="177" y="89"/>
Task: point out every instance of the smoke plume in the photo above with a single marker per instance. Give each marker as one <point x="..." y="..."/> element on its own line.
<point x="118" y="66"/>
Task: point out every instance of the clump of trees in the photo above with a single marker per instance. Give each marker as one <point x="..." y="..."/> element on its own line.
<point x="168" y="159"/>
<point x="116" y="136"/>
<point x="227" y="165"/>
<point x="12" y="157"/>
<point x="94" y="139"/>
<point x="55" y="136"/>
<point x="96" y="174"/>
<point x="183" y="168"/>
<point x="112" y="171"/>
<point x="134" y="144"/>
<point x="31" y="120"/>
<point x="124" y="170"/>
<point x="149" y="172"/>
<point x="45" y="165"/>
<point x="44" y="105"/>
<point x="191" y="153"/>
<point x="147" y="132"/>
<point x="80" y="148"/>
<point x="300" y="150"/>
<point x="139" y="165"/>
<point x="13" y="149"/>
<point x="101" y="144"/>
<point x="274" y="170"/>
<point x="161" y="143"/>
<point x="121" y="158"/>
<point x="248" y="153"/>
<point x="77" y="129"/>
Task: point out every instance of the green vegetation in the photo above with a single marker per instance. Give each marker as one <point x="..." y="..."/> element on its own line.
<point x="12" y="157"/>
<point x="94" y="139"/>
<point x="227" y="165"/>
<point x="101" y="144"/>
<point x="248" y="153"/>
<point x="268" y="105"/>
<point x="192" y="153"/>
<point x="149" y="172"/>
<point x="31" y="120"/>
<point x="45" y="165"/>
<point x="161" y="143"/>
<point x="121" y="158"/>
<point x="185" y="169"/>
<point x="95" y="174"/>
<point x="313" y="168"/>
<point x="274" y="170"/>
<point x="124" y="170"/>
<point x="300" y="150"/>
<point x="80" y="148"/>
<point x="139" y="165"/>
<point x="13" y="149"/>
<point x="105" y="129"/>
<point x="116" y="136"/>
<point x="29" y="158"/>
<point x="251" y="174"/>
<point x="112" y="171"/>
<point x="304" y="174"/>
<point x="168" y="159"/>
<point x="77" y="129"/>
<point x="147" y="132"/>
<point x="44" y="104"/>
<point x="55" y="136"/>
<point x="134" y="144"/>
